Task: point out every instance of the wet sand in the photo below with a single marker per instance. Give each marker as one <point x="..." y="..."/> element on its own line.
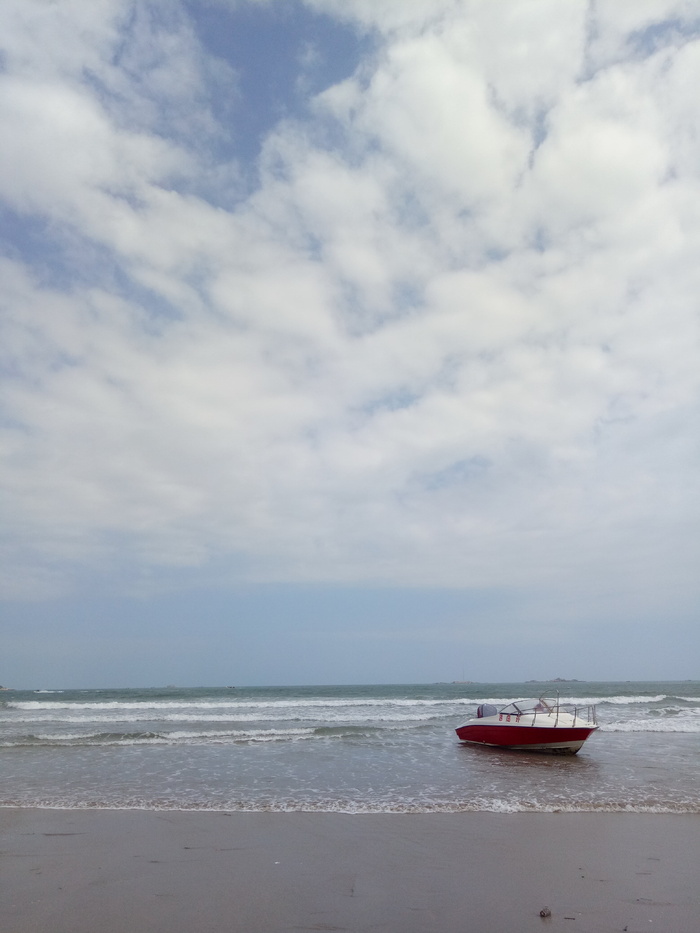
<point x="83" y="871"/>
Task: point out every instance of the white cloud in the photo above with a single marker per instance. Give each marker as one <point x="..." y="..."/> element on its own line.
<point x="457" y="345"/>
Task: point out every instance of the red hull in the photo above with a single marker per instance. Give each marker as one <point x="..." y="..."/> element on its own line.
<point x="521" y="736"/>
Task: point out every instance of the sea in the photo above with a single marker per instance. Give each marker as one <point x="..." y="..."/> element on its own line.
<point x="343" y="749"/>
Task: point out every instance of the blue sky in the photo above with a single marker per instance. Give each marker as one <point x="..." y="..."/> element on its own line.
<point x="348" y="342"/>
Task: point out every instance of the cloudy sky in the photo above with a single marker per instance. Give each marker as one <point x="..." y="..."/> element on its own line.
<point x="349" y="340"/>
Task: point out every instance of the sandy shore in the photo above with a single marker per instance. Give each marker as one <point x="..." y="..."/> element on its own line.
<point x="78" y="871"/>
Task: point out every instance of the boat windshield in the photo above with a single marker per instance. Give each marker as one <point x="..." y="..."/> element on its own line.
<point x="530" y="706"/>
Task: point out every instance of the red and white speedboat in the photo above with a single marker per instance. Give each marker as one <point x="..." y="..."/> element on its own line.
<point x="543" y="725"/>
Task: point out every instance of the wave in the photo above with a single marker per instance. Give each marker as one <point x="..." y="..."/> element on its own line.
<point x="357" y="807"/>
<point x="619" y="700"/>
<point x="154" y="738"/>
<point x="183" y="737"/>
<point x="329" y="720"/>
<point x="229" y="704"/>
<point x="653" y="725"/>
<point x="616" y="700"/>
<point x="160" y="706"/>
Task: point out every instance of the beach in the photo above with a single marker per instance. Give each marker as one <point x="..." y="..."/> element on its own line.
<point x="79" y="871"/>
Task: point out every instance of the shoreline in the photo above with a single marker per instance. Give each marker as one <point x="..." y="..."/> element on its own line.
<point x="359" y="810"/>
<point x="223" y="872"/>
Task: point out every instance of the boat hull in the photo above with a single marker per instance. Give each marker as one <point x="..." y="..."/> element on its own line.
<point x="559" y="740"/>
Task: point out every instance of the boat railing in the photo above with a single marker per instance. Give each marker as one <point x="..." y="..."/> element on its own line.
<point x="586" y="713"/>
<point x="590" y="714"/>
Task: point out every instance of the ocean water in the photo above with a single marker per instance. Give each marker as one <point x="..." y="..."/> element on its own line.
<point x="354" y="749"/>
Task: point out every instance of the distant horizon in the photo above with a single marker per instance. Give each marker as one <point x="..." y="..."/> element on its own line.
<point x="272" y="686"/>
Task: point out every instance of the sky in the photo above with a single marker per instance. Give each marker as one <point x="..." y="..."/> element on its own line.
<point x="349" y="341"/>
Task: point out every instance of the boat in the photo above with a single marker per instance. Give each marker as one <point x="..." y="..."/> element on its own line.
<point x="542" y="725"/>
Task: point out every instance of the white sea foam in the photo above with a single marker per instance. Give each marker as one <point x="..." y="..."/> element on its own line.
<point x="256" y="705"/>
<point x="349" y="807"/>
<point x="329" y="718"/>
<point x="653" y="725"/>
<point x="221" y="708"/>
<point x="621" y="700"/>
<point x="179" y="736"/>
<point x="249" y="733"/>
